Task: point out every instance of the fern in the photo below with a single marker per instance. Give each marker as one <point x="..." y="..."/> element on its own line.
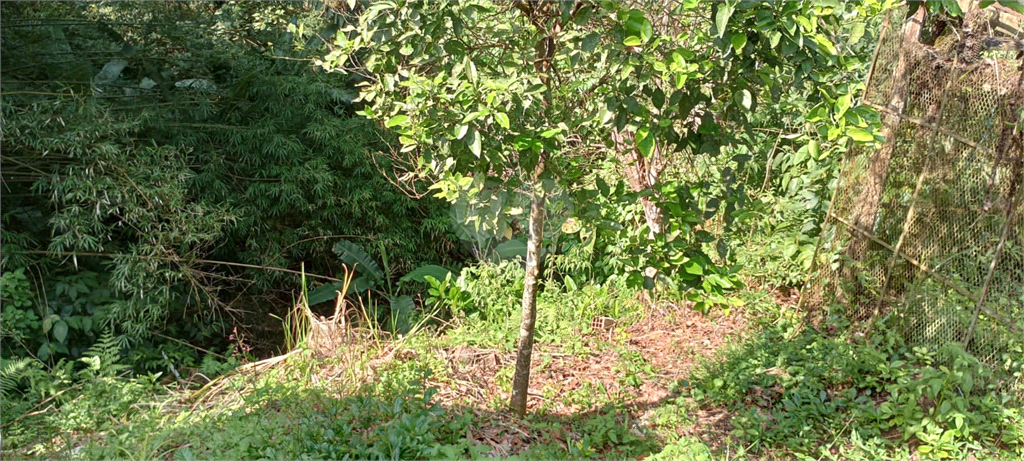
<point x="13" y="371"/>
<point x="104" y="357"/>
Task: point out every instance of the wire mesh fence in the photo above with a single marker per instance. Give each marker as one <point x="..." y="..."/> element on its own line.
<point x="926" y="229"/>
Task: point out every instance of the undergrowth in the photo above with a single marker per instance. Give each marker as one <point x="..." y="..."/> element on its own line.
<point x="787" y="391"/>
<point x="814" y="395"/>
<point x="484" y="301"/>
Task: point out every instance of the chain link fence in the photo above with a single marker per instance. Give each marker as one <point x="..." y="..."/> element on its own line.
<point x="926" y="229"/>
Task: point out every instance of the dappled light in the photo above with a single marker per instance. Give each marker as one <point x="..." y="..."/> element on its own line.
<point x="643" y="230"/>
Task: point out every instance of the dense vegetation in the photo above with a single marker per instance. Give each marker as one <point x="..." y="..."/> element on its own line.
<point x="188" y="185"/>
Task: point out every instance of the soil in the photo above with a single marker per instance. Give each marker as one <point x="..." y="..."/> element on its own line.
<point x="672" y="340"/>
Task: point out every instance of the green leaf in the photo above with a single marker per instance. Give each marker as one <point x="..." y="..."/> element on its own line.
<point x="1014" y="5"/>
<point x="693" y="267"/>
<point x="645" y="142"/>
<point x="590" y="42"/>
<point x="474" y="143"/>
<point x="860" y="135"/>
<point x="60" y="331"/>
<point x="637" y="24"/>
<point x="502" y="119"/>
<point x="44" y="351"/>
<point x="324" y="293"/>
<point x="658" y="98"/>
<point x="602" y="186"/>
<point x="814" y="148"/>
<point x="549" y="133"/>
<point x="511" y="249"/>
<point x="725" y="10"/>
<point x="842" y="104"/>
<point x="632" y="40"/>
<point x="397" y="120"/>
<point x="935" y="385"/>
<point x="826" y="44"/>
<point x="524" y="143"/>
<point x="745" y="98"/>
<point x="74" y="322"/>
<point x="402" y="308"/>
<point x="431" y="270"/>
<point x="471" y="68"/>
<point x="48" y="322"/>
<point x="738" y="41"/>
<point x="461" y="133"/>
<point x="710" y="147"/>
<point x="856" y="32"/>
<point x="952" y="7"/>
<point x="571" y="226"/>
<point x="355" y="257"/>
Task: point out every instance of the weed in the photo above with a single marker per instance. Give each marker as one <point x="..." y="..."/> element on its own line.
<point x="632" y="369"/>
<point x="684" y="448"/>
<point x="827" y="397"/>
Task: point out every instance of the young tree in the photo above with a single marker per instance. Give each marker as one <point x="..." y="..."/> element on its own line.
<point x="481" y="90"/>
<point x="514" y="91"/>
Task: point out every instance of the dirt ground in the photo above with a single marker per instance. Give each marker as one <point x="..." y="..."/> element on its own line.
<point x="672" y="340"/>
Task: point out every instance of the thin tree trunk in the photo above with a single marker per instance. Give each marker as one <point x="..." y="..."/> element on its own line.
<point x="641" y="174"/>
<point x="521" y="380"/>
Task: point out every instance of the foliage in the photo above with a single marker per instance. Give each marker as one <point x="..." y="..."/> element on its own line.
<point x="206" y="151"/>
<point x="14" y="373"/>
<point x="482" y="301"/>
<point x="839" y="397"/>
<point x="405" y="428"/>
<point x="157" y="194"/>
<point x="61" y="319"/>
<point x="796" y="138"/>
<point x="89" y="394"/>
<point x="378" y="281"/>
<point x="684" y="448"/>
<point x="393" y="418"/>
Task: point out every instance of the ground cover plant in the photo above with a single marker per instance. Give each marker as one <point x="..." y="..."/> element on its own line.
<point x="451" y="230"/>
<point x="723" y="387"/>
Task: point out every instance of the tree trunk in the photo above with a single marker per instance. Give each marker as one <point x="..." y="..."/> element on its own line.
<point x="521" y="380"/>
<point x="869" y="200"/>
<point x="641" y="174"/>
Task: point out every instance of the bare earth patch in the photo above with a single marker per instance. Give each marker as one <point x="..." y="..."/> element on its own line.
<point x="672" y="340"/>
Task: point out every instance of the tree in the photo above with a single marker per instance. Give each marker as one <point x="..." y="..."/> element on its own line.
<point x="516" y="91"/>
<point x="480" y="90"/>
